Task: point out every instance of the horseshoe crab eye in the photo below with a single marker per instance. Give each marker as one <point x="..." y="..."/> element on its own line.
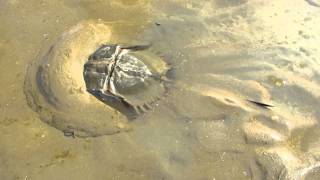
<point x="104" y="52"/>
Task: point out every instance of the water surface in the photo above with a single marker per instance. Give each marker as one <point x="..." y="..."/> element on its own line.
<point x="222" y="51"/>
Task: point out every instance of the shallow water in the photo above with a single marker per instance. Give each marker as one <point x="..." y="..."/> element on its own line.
<point x="222" y="51"/>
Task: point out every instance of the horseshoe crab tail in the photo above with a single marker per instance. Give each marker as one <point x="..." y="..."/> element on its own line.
<point x="260" y="104"/>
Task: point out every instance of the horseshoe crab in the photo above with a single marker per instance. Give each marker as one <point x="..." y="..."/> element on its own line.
<point x="126" y="73"/>
<point x="55" y="87"/>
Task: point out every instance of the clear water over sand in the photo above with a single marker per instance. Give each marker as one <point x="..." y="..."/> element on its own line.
<point x="223" y="52"/>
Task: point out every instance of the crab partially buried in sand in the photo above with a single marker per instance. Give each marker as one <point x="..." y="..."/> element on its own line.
<point x="70" y="84"/>
<point x="126" y="73"/>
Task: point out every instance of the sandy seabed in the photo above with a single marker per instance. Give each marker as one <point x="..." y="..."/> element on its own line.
<point x="223" y="52"/>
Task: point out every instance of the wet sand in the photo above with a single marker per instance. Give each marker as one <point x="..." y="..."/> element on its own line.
<point x="223" y="53"/>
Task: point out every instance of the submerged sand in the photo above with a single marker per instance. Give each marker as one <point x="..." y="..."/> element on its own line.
<point x="224" y="52"/>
